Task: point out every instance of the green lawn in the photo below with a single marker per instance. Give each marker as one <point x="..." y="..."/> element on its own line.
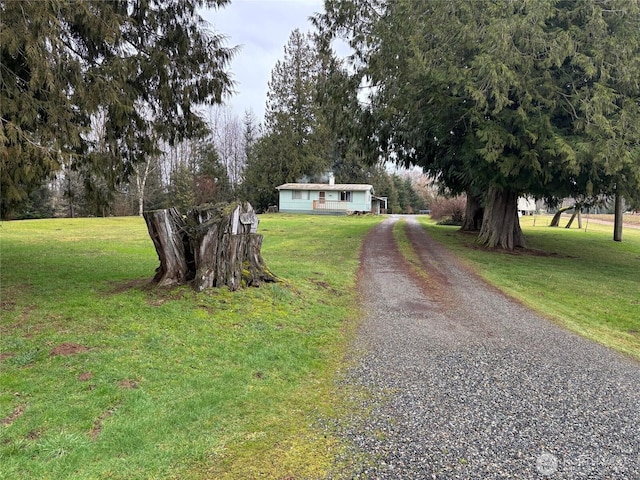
<point x="579" y="278"/>
<point x="102" y="377"/>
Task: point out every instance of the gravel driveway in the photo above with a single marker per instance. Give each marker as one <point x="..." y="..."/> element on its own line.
<point x="454" y="380"/>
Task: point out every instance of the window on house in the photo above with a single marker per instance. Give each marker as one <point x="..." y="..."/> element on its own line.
<point x="345" y="196"/>
<point x="300" y="195"/>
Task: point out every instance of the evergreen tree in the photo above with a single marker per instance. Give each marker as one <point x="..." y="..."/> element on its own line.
<point x="263" y="173"/>
<point x="155" y="192"/>
<point x="212" y="183"/>
<point x="72" y="190"/>
<point x="393" y="197"/>
<point x="37" y="205"/>
<point x="499" y="98"/>
<point x="182" y="189"/>
<point x="296" y="141"/>
<point x="144" y="67"/>
<point x="251" y="135"/>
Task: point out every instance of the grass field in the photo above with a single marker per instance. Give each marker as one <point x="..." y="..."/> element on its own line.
<point x="102" y="377"/>
<point x="579" y="278"/>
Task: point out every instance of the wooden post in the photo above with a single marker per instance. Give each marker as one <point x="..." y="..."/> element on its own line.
<point x="580" y="218"/>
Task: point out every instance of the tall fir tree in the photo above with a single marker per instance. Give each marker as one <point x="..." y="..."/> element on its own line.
<point x="296" y="140"/>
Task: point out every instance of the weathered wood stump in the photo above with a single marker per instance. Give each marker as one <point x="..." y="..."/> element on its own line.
<point x="210" y="246"/>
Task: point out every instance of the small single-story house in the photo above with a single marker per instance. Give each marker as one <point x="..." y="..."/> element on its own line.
<point x="329" y="198"/>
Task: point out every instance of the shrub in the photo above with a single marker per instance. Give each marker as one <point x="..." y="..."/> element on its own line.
<point x="448" y="210"/>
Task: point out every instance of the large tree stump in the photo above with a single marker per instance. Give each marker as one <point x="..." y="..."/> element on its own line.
<point x="210" y="246"/>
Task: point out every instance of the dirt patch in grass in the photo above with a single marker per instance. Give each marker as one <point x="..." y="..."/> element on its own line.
<point x="68" y="349"/>
<point x="324" y="285"/>
<point x="85" y="376"/>
<point x="137" y="284"/>
<point x="34" y="434"/>
<point x="27" y="313"/>
<point x="156" y="296"/>
<point x="4" y="356"/>
<point x="127" y="384"/>
<point x="96" y="429"/>
<point x="13" y="416"/>
<point x="7" y="305"/>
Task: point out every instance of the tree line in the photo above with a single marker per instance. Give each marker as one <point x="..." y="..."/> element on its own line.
<point x="225" y="159"/>
<point x="194" y="172"/>
<point x="492" y="99"/>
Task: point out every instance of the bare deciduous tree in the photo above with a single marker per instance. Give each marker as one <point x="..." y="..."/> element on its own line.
<point x="228" y="136"/>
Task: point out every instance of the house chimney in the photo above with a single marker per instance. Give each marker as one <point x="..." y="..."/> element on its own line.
<point x="331" y="179"/>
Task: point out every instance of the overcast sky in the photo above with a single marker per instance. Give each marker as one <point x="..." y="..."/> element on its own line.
<point x="261" y="28"/>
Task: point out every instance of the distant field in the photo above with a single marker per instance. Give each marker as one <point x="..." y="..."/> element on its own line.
<point x="628" y="218"/>
<point x="581" y="279"/>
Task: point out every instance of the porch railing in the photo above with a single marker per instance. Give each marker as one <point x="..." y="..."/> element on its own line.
<point x="330" y="205"/>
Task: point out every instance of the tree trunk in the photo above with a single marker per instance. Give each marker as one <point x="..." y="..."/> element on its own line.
<point x="573" y="216"/>
<point x="555" y="221"/>
<point x="501" y="224"/>
<point x="142" y="176"/>
<point x="473" y="214"/>
<point x="221" y="247"/>
<point x="580" y="218"/>
<point x="576" y="214"/>
<point x="617" y="220"/>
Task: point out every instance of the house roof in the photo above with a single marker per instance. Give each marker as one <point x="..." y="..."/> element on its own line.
<point x="342" y="187"/>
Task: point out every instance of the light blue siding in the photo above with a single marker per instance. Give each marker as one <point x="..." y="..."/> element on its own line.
<point x="360" y="201"/>
<point x="287" y="202"/>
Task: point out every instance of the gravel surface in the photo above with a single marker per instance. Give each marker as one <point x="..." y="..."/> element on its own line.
<point x="450" y="379"/>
